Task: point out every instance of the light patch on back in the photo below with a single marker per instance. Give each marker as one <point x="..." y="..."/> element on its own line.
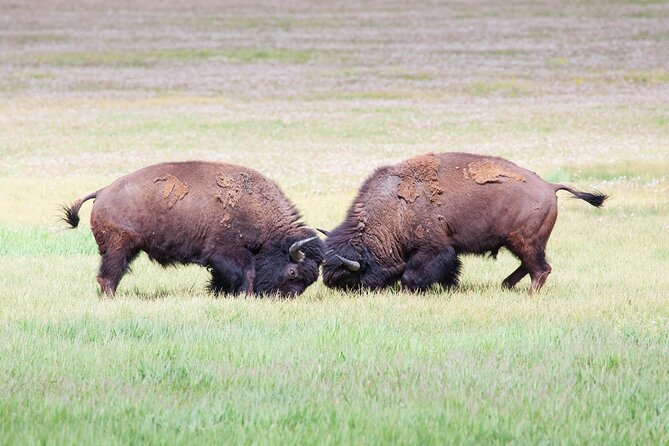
<point x="225" y="221"/>
<point x="232" y="188"/>
<point x="420" y="231"/>
<point x="173" y="190"/>
<point x="489" y="172"/>
<point x="421" y="169"/>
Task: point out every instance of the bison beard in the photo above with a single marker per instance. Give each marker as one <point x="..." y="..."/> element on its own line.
<point x="411" y="221"/>
<point x="228" y="218"/>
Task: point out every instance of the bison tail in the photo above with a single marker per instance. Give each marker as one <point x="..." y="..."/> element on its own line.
<point x="71" y="212"/>
<point x="596" y="198"/>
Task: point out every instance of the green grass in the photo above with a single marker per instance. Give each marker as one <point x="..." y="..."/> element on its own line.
<point x="316" y="98"/>
<point x="505" y="88"/>
<point x="627" y="171"/>
<point x="146" y="58"/>
<point x="352" y="369"/>
<point x="167" y="362"/>
<point x="19" y="241"/>
<point x="648" y="76"/>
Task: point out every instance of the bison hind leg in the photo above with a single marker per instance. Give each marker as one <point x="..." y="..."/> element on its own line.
<point x="539" y="272"/>
<point x="115" y="263"/>
<point x="533" y="262"/>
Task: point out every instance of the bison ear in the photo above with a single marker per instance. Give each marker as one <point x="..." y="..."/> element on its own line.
<point x="295" y="254"/>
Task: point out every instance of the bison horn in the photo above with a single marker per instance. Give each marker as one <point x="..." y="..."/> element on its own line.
<point x="323" y="231"/>
<point x="295" y="254"/>
<point x="351" y="265"/>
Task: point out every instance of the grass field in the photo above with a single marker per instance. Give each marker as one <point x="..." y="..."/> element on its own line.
<point x="316" y="95"/>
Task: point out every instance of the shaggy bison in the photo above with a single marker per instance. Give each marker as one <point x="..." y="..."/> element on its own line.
<point x="228" y="218"/>
<point x="410" y="222"/>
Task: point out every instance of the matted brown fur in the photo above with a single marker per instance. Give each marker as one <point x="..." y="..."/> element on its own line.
<point x="173" y="184"/>
<point x="232" y="188"/>
<point x="487" y="171"/>
<point x="421" y="169"/>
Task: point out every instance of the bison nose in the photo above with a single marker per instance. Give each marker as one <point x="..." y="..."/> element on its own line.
<point x="289" y="293"/>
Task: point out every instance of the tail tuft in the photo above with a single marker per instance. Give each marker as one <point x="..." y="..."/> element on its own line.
<point x="71" y="214"/>
<point x="596" y="198"/>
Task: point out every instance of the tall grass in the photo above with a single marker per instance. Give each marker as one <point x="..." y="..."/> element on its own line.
<point x="165" y="362"/>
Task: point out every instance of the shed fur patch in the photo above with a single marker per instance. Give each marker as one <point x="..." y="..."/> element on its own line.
<point x="489" y="172"/>
<point x="173" y="190"/>
<point x="225" y="221"/>
<point x="421" y="169"/>
<point x="420" y="231"/>
<point x="232" y="188"/>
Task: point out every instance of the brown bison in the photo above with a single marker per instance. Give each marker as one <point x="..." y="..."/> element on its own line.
<point x="228" y="218"/>
<point x="410" y="222"/>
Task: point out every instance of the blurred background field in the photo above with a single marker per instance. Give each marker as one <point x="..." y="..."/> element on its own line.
<point x="316" y="95"/>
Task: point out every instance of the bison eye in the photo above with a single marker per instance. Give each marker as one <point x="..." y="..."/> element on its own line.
<point x="291" y="273"/>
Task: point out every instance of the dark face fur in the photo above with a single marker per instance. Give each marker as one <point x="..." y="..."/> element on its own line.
<point x="336" y="274"/>
<point x="276" y="273"/>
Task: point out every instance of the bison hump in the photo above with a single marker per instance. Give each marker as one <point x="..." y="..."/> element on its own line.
<point x="419" y="175"/>
<point x="232" y="188"/>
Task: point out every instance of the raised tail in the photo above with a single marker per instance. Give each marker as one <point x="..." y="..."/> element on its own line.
<point x="596" y="198"/>
<point x="71" y="212"/>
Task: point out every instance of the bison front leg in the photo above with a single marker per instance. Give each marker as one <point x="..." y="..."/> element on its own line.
<point x="429" y="266"/>
<point x="451" y="274"/>
<point x="233" y="273"/>
<point x="515" y="277"/>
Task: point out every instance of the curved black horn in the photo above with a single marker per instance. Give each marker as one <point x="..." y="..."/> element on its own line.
<point x="351" y="265"/>
<point x="323" y="231"/>
<point x="295" y="254"/>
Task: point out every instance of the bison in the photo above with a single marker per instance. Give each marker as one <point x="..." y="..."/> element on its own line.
<point x="412" y="220"/>
<point x="228" y="218"/>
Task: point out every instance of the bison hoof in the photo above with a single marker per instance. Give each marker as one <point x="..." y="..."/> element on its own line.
<point x="106" y="287"/>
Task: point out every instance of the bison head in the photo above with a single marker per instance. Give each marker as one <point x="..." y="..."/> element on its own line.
<point x="351" y="265"/>
<point x="287" y="266"/>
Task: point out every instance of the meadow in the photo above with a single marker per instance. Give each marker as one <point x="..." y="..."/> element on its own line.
<point x="316" y="95"/>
